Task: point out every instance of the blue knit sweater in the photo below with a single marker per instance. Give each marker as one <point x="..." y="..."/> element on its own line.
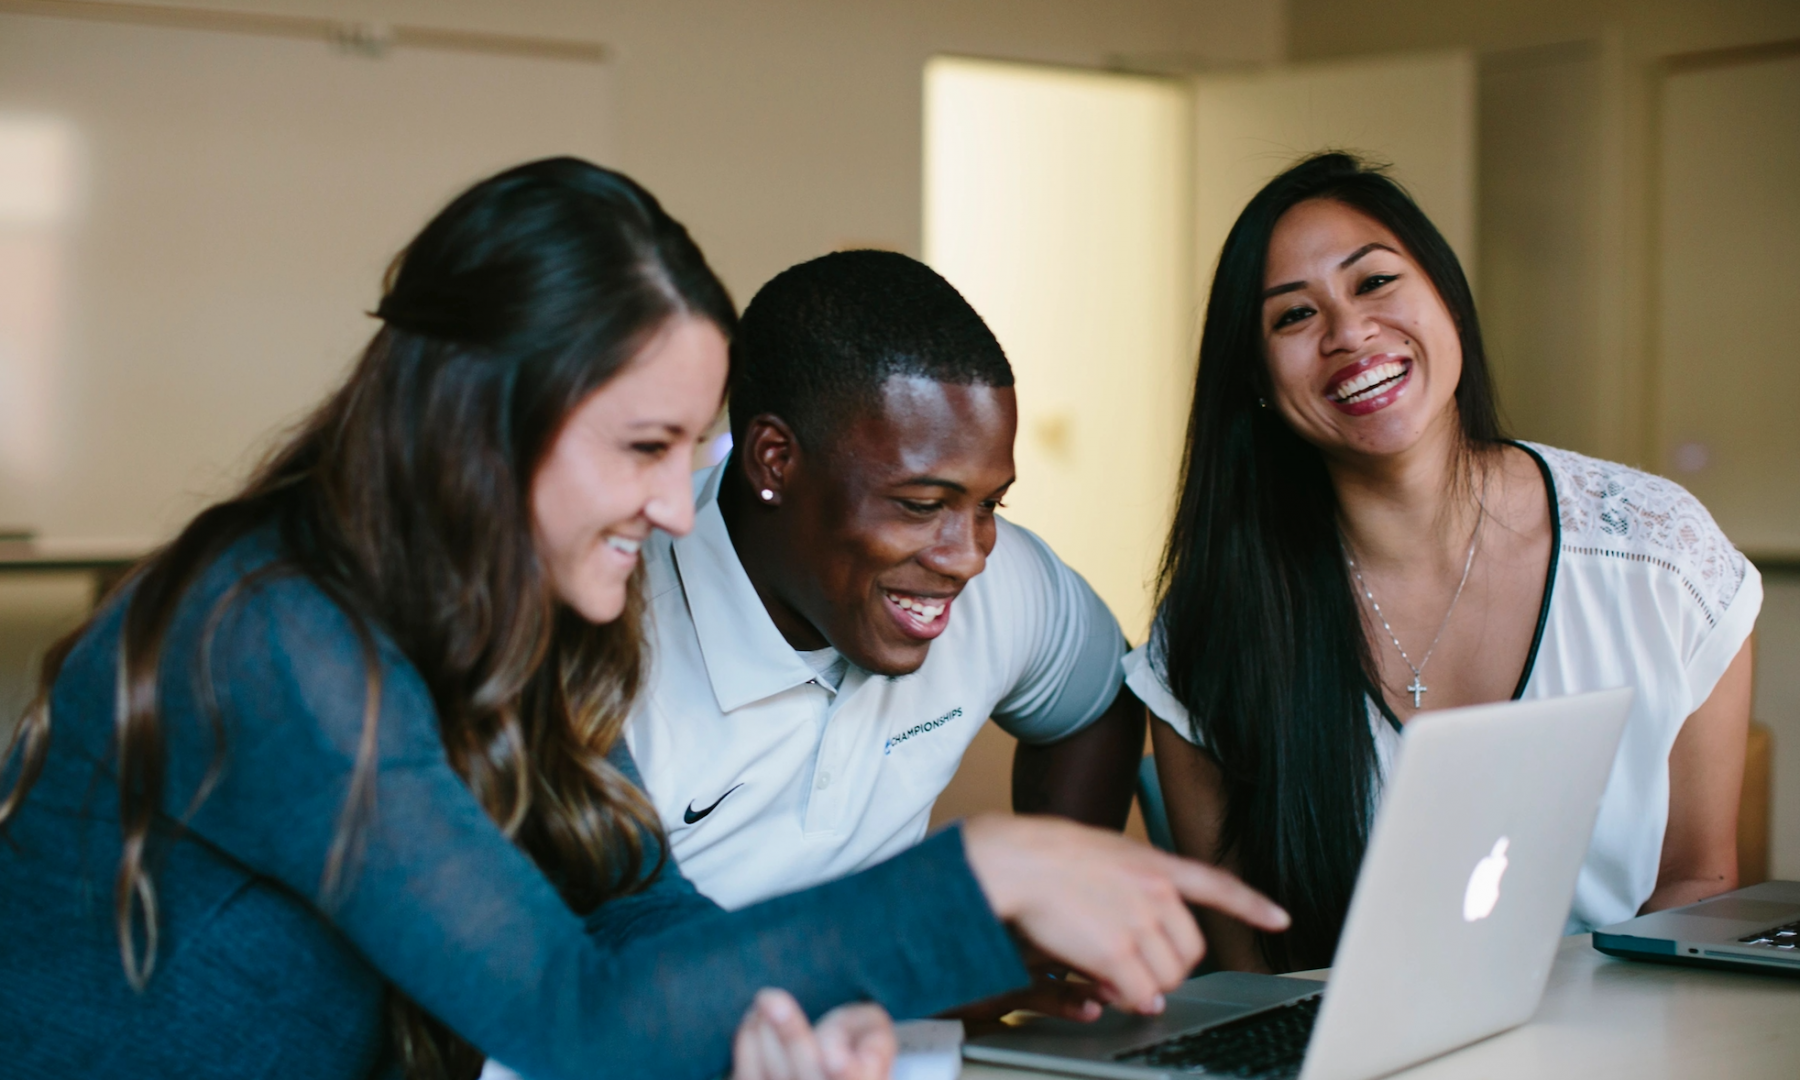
<point x="255" y="977"/>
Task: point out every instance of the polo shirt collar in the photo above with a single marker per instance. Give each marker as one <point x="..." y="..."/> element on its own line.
<point x="746" y="657"/>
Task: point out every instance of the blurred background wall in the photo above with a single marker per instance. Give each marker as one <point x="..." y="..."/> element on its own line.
<point x="776" y="130"/>
<point x="1619" y="177"/>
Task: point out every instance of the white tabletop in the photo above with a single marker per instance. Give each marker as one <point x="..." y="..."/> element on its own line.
<point x="1602" y="1017"/>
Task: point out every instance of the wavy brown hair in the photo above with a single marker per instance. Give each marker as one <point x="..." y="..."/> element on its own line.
<point x="406" y="498"/>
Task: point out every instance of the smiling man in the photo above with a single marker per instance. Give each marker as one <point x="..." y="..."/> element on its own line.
<point x="849" y="608"/>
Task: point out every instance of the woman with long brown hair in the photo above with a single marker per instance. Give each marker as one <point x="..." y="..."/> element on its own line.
<point x="333" y="785"/>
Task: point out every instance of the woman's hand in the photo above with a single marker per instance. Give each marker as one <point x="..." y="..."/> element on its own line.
<point x="774" y="1042"/>
<point x="1111" y="908"/>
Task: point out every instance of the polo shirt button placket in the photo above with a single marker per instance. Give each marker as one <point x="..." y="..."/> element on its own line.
<point x="825" y="808"/>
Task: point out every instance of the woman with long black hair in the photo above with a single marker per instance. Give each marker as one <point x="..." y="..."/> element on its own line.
<point x="1356" y="541"/>
<point x="330" y="786"/>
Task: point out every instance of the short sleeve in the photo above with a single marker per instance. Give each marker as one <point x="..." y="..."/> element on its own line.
<point x="1144" y="675"/>
<point x="1717" y="645"/>
<point x="1615" y="513"/>
<point x="1070" y="671"/>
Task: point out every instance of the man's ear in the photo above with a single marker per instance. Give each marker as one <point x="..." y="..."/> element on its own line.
<point x="770" y="454"/>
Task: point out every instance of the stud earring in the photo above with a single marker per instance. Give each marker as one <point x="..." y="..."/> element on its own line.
<point x="767" y="495"/>
<point x="1262" y="402"/>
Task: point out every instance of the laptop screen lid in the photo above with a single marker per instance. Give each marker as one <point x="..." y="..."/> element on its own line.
<point x="1467" y="880"/>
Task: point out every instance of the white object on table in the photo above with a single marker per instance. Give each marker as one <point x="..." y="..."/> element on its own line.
<point x="929" y="1050"/>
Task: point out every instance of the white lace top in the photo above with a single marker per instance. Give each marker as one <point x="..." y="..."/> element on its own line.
<point x="1645" y="592"/>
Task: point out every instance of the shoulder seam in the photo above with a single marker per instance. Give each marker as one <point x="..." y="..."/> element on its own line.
<point x="1619" y="512"/>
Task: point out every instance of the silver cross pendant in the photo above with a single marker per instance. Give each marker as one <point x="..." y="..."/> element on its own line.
<point x="1417" y="689"/>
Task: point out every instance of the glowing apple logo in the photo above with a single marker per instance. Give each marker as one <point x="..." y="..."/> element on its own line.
<point x="1484" y="884"/>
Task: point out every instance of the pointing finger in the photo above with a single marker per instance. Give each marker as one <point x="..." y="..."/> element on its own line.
<point x="1216" y="889"/>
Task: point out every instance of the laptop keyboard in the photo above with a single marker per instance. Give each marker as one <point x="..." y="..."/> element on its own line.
<point x="1267" y="1046"/>
<point x="1784" y="937"/>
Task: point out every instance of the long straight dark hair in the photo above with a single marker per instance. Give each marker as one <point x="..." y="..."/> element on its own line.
<point x="406" y="498"/>
<point x="1259" y="633"/>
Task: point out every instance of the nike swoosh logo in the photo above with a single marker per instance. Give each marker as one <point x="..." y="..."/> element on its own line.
<point x="691" y="815"/>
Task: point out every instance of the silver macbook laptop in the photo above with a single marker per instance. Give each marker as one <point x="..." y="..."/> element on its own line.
<point x="1754" y="928"/>
<point x="1458" y="909"/>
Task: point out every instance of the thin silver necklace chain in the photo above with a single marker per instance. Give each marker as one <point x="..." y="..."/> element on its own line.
<point x="1418" y="687"/>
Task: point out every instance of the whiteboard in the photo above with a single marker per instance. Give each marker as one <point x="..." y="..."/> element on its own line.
<point x="192" y="225"/>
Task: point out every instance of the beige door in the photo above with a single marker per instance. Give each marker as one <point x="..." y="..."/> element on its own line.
<point x="1727" y="293"/>
<point x="1056" y="201"/>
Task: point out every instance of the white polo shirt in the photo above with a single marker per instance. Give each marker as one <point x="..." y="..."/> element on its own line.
<point x="769" y="780"/>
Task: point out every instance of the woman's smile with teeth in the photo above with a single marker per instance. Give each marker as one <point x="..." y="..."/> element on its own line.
<point x="1368" y="384"/>
<point x="624" y="545"/>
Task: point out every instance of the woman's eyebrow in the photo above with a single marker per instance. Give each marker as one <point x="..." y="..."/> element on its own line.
<point x="1291" y="286"/>
<point x="1364" y="250"/>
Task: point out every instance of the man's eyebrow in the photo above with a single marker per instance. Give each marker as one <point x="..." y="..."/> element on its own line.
<point x="932" y="481"/>
<point x="1364" y="250"/>
<point x="1292" y="286"/>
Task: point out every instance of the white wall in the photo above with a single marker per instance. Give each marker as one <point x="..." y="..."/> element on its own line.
<point x="781" y="129"/>
<point x="776" y="129"/>
<point x="234" y="199"/>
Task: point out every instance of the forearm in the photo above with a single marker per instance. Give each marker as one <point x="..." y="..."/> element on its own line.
<point x="668" y="901"/>
<point x="1675" y="892"/>
<point x="673" y="998"/>
<point x="1706" y="772"/>
<point x="1193" y="793"/>
<point x="1088" y="777"/>
<point x="914" y="934"/>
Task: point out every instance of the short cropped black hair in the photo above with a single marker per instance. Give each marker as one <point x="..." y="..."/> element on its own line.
<point x="819" y="340"/>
